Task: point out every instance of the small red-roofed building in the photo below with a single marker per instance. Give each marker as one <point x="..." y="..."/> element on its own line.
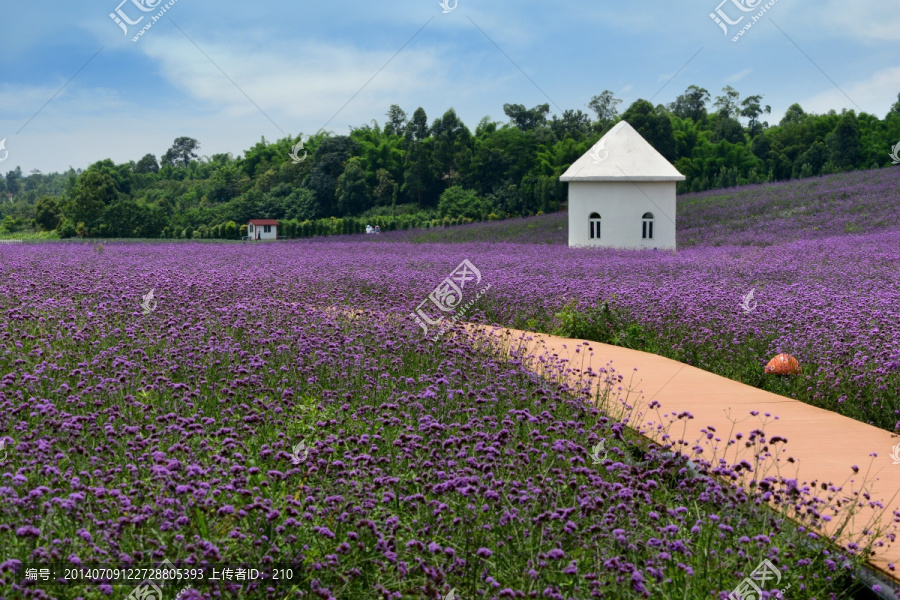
<point x="262" y="229"/>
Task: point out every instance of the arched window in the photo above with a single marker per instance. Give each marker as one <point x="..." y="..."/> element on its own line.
<point x="648" y="226"/>
<point x="595" y="226"/>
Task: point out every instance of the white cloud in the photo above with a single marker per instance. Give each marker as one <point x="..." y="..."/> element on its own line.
<point x="739" y="75"/>
<point x="27" y="102"/>
<point x="299" y="85"/>
<point x="864" y="20"/>
<point x="303" y="82"/>
<point x="874" y="95"/>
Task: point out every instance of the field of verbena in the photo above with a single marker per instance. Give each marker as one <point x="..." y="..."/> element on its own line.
<point x="822" y="257"/>
<point x="131" y="438"/>
<point x="833" y="302"/>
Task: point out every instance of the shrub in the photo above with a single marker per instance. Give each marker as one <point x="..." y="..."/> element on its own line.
<point x="459" y="202"/>
<point x="603" y="324"/>
<point x="67" y="229"/>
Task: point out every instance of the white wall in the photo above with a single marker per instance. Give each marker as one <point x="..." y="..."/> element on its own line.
<point x="621" y="206"/>
<point x="261" y="229"/>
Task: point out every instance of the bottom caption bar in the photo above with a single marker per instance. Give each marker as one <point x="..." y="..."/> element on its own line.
<point x="154" y="577"/>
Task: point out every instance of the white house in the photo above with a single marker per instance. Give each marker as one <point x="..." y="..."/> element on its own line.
<point x="622" y="194"/>
<point x="262" y="229"/>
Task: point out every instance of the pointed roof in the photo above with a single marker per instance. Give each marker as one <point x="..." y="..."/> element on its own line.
<point x="622" y="155"/>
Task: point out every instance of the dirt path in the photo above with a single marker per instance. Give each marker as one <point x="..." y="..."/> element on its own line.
<point x="824" y="445"/>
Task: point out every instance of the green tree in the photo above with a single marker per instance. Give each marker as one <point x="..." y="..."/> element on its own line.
<point x="501" y="158"/>
<point x="147" y="164"/>
<point x="417" y="129"/>
<point x="182" y="152"/>
<point x="122" y="175"/>
<point x="328" y="165"/>
<point x="67" y="229"/>
<point x="352" y="192"/>
<point x="605" y="105"/>
<point x="761" y="147"/>
<point x="845" y="142"/>
<point x="794" y="115"/>
<point x="396" y="123"/>
<point x="13" y="179"/>
<point x="554" y="160"/>
<point x="130" y="218"/>
<point x="752" y="109"/>
<point x="91" y="194"/>
<point x="574" y="125"/>
<point x="691" y="104"/>
<point x="301" y="205"/>
<point x="421" y="177"/>
<point x="264" y="156"/>
<point x="727" y="104"/>
<point x="122" y="218"/>
<point x="451" y="144"/>
<point x="458" y="202"/>
<point x="527" y="119"/>
<point x="813" y="160"/>
<point x="8" y="224"/>
<point x="385" y="188"/>
<point x="728" y="128"/>
<point x="47" y="213"/>
<point x="226" y="183"/>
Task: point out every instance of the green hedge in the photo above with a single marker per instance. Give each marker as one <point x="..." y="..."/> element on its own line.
<point x="293" y="228"/>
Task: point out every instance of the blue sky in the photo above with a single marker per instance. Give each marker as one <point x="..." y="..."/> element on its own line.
<point x="300" y="62"/>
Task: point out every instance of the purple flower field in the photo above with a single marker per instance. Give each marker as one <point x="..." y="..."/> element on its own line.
<point x="752" y="215"/>
<point x="234" y="421"/>
<point x="821" y="256"/>
<point x="832" y="302"/>
<point x="775" y="213"/>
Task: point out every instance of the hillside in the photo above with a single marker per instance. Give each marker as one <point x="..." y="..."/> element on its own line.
<point x="751" y="215"/>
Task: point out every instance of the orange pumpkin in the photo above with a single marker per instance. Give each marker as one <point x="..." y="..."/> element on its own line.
<point x="783" y="364"/>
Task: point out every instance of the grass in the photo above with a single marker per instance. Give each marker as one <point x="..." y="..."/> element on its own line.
<point x="29" y="236"/>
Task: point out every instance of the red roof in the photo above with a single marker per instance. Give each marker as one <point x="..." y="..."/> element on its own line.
<point x="263" y="221"/>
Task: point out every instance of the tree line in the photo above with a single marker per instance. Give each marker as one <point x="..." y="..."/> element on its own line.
<point x="410" y="172"/>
